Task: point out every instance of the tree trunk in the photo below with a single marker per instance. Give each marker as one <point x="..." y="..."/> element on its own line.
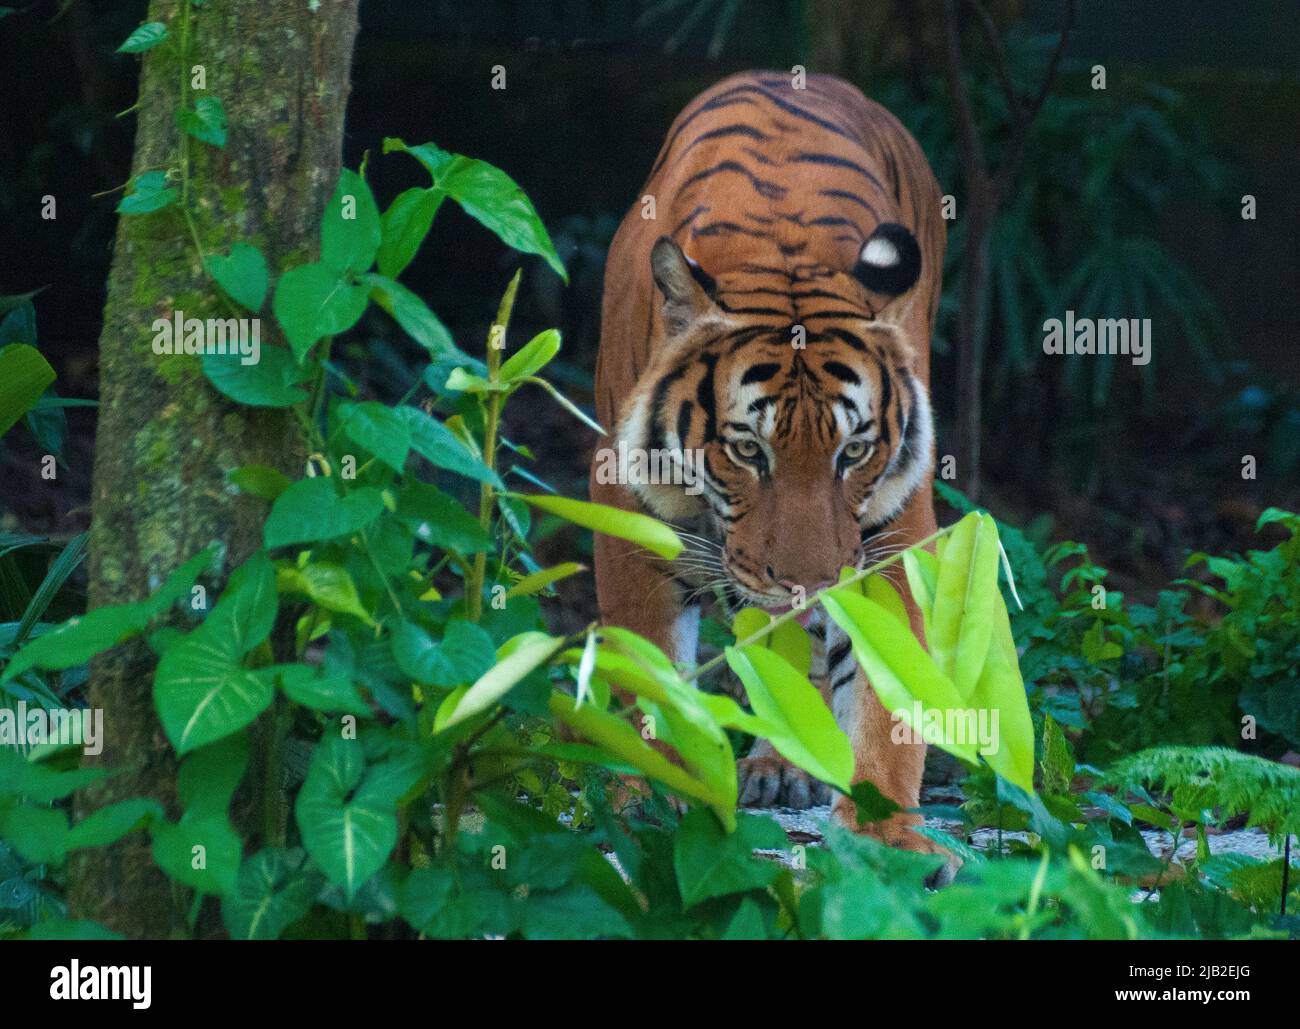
<point x="165" y="439"/>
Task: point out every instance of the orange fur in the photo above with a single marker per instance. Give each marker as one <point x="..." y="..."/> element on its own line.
<point x="773" y="191"/>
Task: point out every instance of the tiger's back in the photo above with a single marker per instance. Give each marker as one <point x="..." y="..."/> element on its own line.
<point x="755" y="175"/>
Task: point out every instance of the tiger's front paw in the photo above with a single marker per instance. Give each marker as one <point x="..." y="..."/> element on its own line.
<point x="771" y="781"/>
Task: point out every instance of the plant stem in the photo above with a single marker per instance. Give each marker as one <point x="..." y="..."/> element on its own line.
<point x="870" y="570"/>
<point x="185" y="136"/>
<point x="487" y="494"/>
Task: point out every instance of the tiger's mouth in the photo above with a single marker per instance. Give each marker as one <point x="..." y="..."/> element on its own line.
<point x="804" y="611"/>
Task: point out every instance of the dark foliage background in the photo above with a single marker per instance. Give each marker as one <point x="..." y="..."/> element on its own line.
<point x="1202" y="106"/>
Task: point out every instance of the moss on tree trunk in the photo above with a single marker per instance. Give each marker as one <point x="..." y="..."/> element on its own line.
<point x="166" y="439"/>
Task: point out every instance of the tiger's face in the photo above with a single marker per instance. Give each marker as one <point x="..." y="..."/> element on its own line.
<point x="804" y="425"/>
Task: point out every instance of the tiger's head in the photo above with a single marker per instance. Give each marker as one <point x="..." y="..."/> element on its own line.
<point x="791" y="397"/>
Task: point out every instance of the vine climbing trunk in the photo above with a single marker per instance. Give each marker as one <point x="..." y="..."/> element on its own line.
<point x="166" y="440"/>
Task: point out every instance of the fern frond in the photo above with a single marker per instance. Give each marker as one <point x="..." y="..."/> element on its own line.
<point x="1266" y="792"/>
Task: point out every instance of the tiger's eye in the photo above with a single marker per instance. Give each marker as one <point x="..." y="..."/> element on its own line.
<point x="747" y="448"/>
<point x="855" y="450"/>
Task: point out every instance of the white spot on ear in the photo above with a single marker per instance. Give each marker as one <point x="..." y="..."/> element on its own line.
<point x="880" y="252"/>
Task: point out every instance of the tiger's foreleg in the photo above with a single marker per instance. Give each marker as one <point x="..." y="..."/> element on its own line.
<point x="887" y="754"/>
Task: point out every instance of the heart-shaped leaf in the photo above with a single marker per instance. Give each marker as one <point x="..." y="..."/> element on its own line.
<point x="311" y="510"/>
<point x="242" y="274"/>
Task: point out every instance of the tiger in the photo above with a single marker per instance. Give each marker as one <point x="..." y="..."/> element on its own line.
<point x="768" y="306"/>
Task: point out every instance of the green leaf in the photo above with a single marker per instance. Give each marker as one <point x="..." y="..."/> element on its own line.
<point x="203" y="694"/>
<point x="405" y="224"/>
<point x="710" y="862"/>
<point x="208" y="778"/>
<point x="625" y="746"/>
<point x="966" y="594"/>
<point x="205" y="121"/>
<point x="1276" y="514"/>
<point x="180" y="582"/>
<point x="348" y="824"/>
<point x="327" y="585"/>
<point x="433" y="157"/>
<point x="788" y="639"/>
<point x="438" y="445"/>
<point x="380" y="430"/>
<point x="807" y="734"/>
<point x="200" y="852"/>
<point x="312" y="301"/>
<point x="350" y="229"/>
<point x="532" y="357"/>
<point x="311" y="510"/>
<point x="747" y="923"/>
<point x="871" y="804"/>
<point x="246" y="612"/>
<point x="79" y="639"/>
<point x="321" y="691"/>
<point x="922" y="569"/>
<point x="149" y="193"/>
<point x="440" y="520"/>
<point x="488" y="195"/>
<point x="612" y="521"/>
<point x="39" y="834"/>
<point x="109" y="824"/>
<point x="896" y="665"/>
<point x="462" y="381"/>
<point x="38" y="782"/>
<point x="67" y="929"/>
<point x="540" y="580"/>
<point x="516" y="659"/>
<point x="60" y="570"/>
<point x="412" y="314"/>
<point x="145" y="37"/>
<point x="242" y="274"/>
<point x="259" y="480"/>
<point x="271" y="382"/>
<point x="1001" y="689"/>
<point x="464" y="654"/>
<point x="274" y="889"/>
<point x="24" y="376"/>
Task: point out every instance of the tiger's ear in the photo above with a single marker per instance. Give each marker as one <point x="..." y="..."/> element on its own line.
<point x="687" y="288"/>
<point x="890" y="260"/>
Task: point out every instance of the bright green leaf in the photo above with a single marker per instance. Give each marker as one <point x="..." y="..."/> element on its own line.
<point x="530" y="651"/>
<point x="807" y="734"/>
<point x="532" y="357"/>
<point x="612" y="521"/>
